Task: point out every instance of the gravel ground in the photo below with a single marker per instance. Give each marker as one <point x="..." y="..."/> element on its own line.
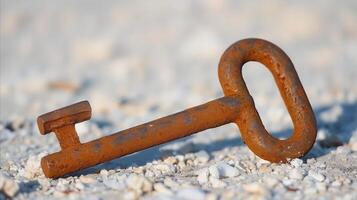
<point x="139" y="60"/>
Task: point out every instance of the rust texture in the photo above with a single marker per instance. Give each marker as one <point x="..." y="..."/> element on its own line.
<point x="236" y="106"/>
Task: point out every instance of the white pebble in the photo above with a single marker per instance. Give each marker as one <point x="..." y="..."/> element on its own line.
<point x="190" y="193"/>
<point x="170" y="160"/>
<point x="104" y="172"/>
<point x="226" y="170"/>
<point x="296" y="174"/>
<point x="79" y="186"/>
<point x="165" y="168"/>
<point x="139" y="183"/>
<point x="112" y="183"/>
<point x="317" y="176"/>
<point x="202" y="156"/>
<point x="44" y="182"/>
<point x="8" y="186"/>
<point x="202" y="177"/>
<point x="296" y="162"/>
<point x="149" y="173"/>
<point x="87" y="179"/>
<point x="213" y="171"/>
<point x="32" y="167"/>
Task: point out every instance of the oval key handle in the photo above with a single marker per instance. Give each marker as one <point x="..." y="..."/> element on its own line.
<point x="251" y="127"/>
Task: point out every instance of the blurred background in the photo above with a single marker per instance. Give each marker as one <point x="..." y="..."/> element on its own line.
<point x="138" y="60"/>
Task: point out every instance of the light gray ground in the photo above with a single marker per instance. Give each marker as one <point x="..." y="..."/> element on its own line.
<point x="139" y="60"/>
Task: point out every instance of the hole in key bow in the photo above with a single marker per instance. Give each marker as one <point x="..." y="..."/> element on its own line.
<point x="268" y="101"/>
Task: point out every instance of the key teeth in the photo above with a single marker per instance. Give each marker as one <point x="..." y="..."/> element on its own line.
<point x="41" y="125"/>
<point x="71" y="114"/>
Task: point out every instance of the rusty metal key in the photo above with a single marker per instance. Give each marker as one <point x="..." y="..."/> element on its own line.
<point x="236" y="106"/>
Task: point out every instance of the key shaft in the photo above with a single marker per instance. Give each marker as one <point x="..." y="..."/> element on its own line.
<point x="209" y="115"/>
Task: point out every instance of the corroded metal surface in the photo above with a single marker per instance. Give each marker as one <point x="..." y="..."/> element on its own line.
<point x="251" y="127"/>
<point x="236" y="106"/>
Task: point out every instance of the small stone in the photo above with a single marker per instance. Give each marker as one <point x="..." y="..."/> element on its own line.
<point x="104" y="172"/>
<point x="311" y="161"/>
<point x="249" y="165"/>
<point x="191" y="193"/>
<point x="202" y="177"/>
<point x="226" y="170"/>
<point x="32" y="167"/>
<point x="112" y="183"/>
<point x="296" y="162"/>
<point x="317" y="176"/>
<point x="87" y="179"/>
<point x="79" y="185"/>
<point x="171" y="160"/>
<point x="8" y="186"/>
<point x="261" y="162"/>
<point x="296" y="174"/>
<point x="165" y="168"/>
<point x="161" y="188"/>
<point x="265" y="168"/>
<point x="147" y="186"/>
<point x="321" y="165"/>
<point x="347" y="181"/>
<point x="134" y="182"/>
<point x="149" y="173"/>
<point x="202" y="156"/>
<point x="343" y="150"/>
<point x="180" y="158"/>
<point x="138" y="170"/>
<point x="44" y="182"/>
<point x="288" y="182"/>
<point x="139" y="183"/>
<point x="62" y="185"/>
<point x="213" y="171"/>
<point x="239" y="166"/>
